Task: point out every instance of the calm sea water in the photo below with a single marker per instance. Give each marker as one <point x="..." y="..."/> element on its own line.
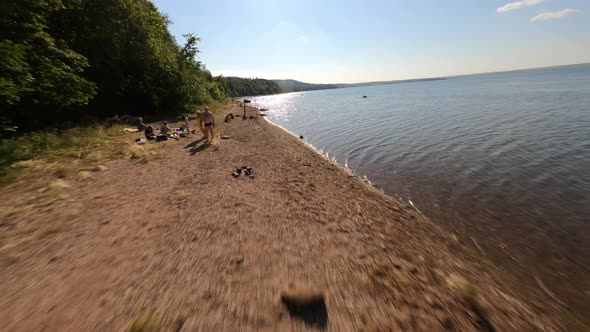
<point x="501" y="159"/>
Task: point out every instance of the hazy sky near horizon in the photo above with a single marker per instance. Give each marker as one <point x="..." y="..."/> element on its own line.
<point x="339" y="41"/>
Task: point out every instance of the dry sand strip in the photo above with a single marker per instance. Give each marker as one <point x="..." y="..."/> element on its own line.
<point x="179" y="244"/>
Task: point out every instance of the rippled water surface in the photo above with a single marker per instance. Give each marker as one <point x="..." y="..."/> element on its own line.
<point x="501" y="159"/>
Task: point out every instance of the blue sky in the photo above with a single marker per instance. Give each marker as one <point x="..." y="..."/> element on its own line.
<point x="357" y="41"/>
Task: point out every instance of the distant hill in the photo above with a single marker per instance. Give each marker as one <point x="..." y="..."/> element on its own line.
<point x="294" y="86"/>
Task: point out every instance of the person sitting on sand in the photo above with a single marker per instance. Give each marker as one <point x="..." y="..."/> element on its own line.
<point x="167" y="132"/>
<point x="209" y="123"/>
<point x="164" y="130"/>
<point x="172" y="133"/>
<point x="149" y="133"/>
<point x="140" y="125"/>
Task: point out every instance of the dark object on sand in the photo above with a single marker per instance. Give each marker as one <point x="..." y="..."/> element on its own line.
<point x="307" y="305"/>
<point x="300" y="136"/>
<point x="246" y="101"/>
<point x="244" y="169"/>
<point x="237" y="172"/>
<point x="161" y="138"/>
<point x="364" y="96"/>
<point x="262" y="114"/>
<point x="252" y="117"/>
<point x="263" y="109"/>
<point x="224" y="137"/>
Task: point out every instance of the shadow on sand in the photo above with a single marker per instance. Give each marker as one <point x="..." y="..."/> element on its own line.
<point x="193" y="144"/>
<point x="314" y="314"/>
<point x="196" y="148"/>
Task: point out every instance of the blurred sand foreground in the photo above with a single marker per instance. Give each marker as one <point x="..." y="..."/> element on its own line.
<point x="179" y="244"/>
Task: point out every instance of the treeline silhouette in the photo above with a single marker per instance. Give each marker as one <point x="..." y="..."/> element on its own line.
<point x="237" y="86"/>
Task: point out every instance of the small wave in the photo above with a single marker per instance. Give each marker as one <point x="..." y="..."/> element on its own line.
<point x="326" y="156"/>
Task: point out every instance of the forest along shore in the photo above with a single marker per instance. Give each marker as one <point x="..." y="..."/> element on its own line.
<point x="178" y="243"/>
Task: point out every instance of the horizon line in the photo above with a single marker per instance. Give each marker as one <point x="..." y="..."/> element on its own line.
<point x="429" y="77"/>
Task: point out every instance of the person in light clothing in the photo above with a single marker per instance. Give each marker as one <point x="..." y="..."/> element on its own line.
<point x="186" y="124"/>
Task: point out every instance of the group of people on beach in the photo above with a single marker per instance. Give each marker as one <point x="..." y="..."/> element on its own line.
<point x="205" y="123"/>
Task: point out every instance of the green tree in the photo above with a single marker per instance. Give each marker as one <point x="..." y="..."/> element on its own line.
<point x="131" y="53"/>
<point x="39" y="74"/>
<point x="69" y="59"/>
<point x="236" y="86"/>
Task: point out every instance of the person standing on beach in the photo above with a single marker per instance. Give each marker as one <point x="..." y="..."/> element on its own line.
<point x="186" y="124"/>
<point x="200" y="124"/>
<point x="209" y="123"/>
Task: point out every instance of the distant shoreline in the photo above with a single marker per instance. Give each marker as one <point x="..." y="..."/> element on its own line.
<point x="288" y="86"/>
<point x="291" y="85"/>
<point x="521" y="69"/>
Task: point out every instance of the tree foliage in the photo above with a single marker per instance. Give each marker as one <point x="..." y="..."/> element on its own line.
<point x="134" y="60"/>
<point x="236" y="86"/>
<point x="70" y="59"/>
<point x="39" y="73"/>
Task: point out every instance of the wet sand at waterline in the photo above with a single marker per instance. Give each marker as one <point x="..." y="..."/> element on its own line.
<point x="178" y="243"/>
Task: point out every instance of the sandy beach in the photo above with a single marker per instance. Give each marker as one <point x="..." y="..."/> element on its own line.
<point x="179" y="244"/>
